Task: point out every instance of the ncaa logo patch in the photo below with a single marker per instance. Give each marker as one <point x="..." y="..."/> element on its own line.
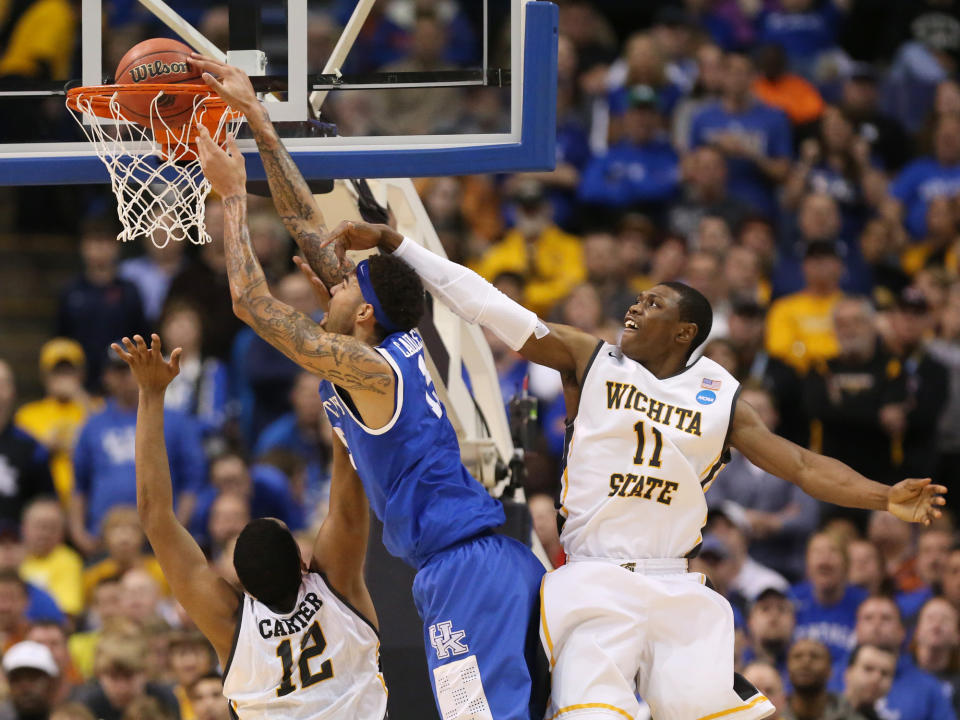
<point x="706" y="397"/>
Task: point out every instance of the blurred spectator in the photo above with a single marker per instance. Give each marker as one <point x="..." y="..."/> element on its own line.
<point x="938" y="246"/>
<point x="146" y="708"/>
<point x="860" y="101"/>
<point x="583" y="310"/>
<point x="24" y="463"/>
<point x="191" y="658"/>
<point x="204" y="284"/>
<point x="99" y="307"/>
<point x="262" y="376"/>
<point x="549" y="260"/>
<point x="826" y="604"/>
<point x="142" y="598"/>
<point x="707" y="87"/>
<point x="229" y="514"/>
<point x="13" y="609"/>
<point x="933" y="550"/>
<point x="71" y="711"/>
<point x="643" y="64"/>
<point x="770" y="626"/>
<point x="722" y="352"/>
<point x="754" y="364"/>
<point x="606" y="273"/>
<point x="785" y="90"/>
<point x="837" y="162"/>
<point x="40" y="604"/>
<point x="54" y="637"/>
<point x="56" y="420"/>
<point x="105" y="610"/>
<point x="765" y="678"/>
<point x="420" y="111"/>
<point x="754" y="137"/>
<point x="779" y="514"/>
<point x="704" y="272"/>
<point x="705" y="194"/>
<point x="928" y="177"/>
<point x="123" y="539"/>
<point x="909" y="323"/>
<point x="915" y="693"/>
<point x="879" y="246"/>
<point x="868" y="677"/>
<point x="153" y="271"/>
<point x="103" y="459"/>
<point x="206" y="698"/>
<point x="31" y="674"/>
<point x="49" y="563"/>
<point x="936" y="646"/>
<point x="266" y="487"/>
<point x="121" y="679"/>
<point x="743" y="276"/>
<point x="808" y="667"/>
<point x="893" y="538"/>
<point x="39" y="39"/>
<point x="857" y="397"/>
<point x="806" y="30"/>
<point x="641" y="169"/>
<point x="270" y="241"/>
<point x="867" y="569"/>
<point x="819" y="222"/>
<point x="799" y="326"/>
<point x="750" y="577"/>
<point x="201" y="389"/>
<point x="950" y="582"/>
<point x="304" y="432"/>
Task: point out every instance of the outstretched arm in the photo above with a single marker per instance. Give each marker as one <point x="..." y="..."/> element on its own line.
<point x="291" y="194"/>
<point x="344" y="360"/>
<point x="475" y="300"/>
<point x="208" y="599"/>
<point x="341" y="544"/>
<point x="913" y="500"/>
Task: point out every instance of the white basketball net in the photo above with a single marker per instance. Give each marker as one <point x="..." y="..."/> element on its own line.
<point x="160" y="188"/>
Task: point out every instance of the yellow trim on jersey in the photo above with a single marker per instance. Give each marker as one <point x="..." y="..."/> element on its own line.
<point x="756" y="701"/>
<point x="715" y="475"/>
<point x="586" y="706"/>
<point x="543" y="621"/>
<point x="380" y="674"/>
<point x="712" y="463"/>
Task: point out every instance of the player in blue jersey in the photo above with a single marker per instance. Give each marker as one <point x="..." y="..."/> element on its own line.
<point x="477" y="592"/>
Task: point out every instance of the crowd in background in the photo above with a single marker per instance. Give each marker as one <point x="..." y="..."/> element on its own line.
<point x="797" y="161"/>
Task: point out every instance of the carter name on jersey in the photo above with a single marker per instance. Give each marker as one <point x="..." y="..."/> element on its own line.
<point x="626" y="396"/>
<point x="300" y="620"/>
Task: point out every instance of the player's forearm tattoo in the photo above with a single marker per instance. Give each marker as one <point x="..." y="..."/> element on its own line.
<point x="296" y="206"/>
<point x="345" y="361"/>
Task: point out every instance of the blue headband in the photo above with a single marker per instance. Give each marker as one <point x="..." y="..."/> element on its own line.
<point x="366" y="289"/>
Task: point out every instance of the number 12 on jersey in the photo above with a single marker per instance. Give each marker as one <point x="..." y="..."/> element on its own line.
<point x="311" y="645"/>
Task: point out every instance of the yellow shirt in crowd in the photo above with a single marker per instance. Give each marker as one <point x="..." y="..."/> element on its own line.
<point x="800" y="329"/>
<point x="42" y="37"/>
<point x="61" y="574"/>
<point x="557" y="266"/>
<point x="55" y="424"/>
<point x="108" y="568"/>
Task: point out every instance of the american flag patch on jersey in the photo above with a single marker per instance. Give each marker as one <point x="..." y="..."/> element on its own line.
<point x="709" y="384"/>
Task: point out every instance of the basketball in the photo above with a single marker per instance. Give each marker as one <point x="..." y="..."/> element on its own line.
<point x="158" y="60"/>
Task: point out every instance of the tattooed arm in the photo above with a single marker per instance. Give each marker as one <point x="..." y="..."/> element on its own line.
<point x="344" y="360"/>
<point x="291" y="194"/>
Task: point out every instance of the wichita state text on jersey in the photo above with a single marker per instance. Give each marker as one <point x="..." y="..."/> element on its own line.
<point x="655" y="445"/>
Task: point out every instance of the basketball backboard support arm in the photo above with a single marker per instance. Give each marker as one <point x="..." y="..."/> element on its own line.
<point x="530" y="144"/>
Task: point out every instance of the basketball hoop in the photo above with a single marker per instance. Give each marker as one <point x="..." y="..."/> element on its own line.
<point x="154" y="169"/>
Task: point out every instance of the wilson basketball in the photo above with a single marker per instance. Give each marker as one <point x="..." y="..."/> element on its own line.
<point x="159" y="60"/>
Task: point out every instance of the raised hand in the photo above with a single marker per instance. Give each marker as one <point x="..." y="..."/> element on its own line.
<point x="151" y="371"/>
<point x="225" y="169"/>
<point x="916" y="500"/>
<point x="350" y="235"/>
<point x="319" y="289"/>
<point x="230" y="83"/>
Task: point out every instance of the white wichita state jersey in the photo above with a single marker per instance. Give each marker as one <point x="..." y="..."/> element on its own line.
<point x="642" y="452"/>
<point x="319" y="661"/>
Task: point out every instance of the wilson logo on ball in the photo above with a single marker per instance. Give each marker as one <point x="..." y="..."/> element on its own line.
<point x="139" y="73"/>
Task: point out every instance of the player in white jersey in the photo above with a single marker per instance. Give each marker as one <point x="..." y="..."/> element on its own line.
<point x="647" y="435"/>
<point x="299" y="643"/>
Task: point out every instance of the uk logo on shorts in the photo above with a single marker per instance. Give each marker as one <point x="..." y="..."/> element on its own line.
<point x="447" y="641"/>
<point x="706" y="397"/>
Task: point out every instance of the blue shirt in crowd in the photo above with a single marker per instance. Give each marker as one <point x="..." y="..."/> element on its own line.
<point x="630" y="174"/>
<point x="103" y="460"/>
<point x="802" y="35"/>
<point x="41" y="607"/>
<point x="763" y="128"/>
<point x="285" y="434"/>
<point x="832" y="625"/>
<point x="917" y="184"/>
<point x="915" y="695"/>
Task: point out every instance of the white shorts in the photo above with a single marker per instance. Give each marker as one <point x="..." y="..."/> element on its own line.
<point x="611" y="633"/>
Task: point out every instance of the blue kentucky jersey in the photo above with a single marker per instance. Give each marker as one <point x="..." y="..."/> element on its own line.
<point x="411" y="467"/>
